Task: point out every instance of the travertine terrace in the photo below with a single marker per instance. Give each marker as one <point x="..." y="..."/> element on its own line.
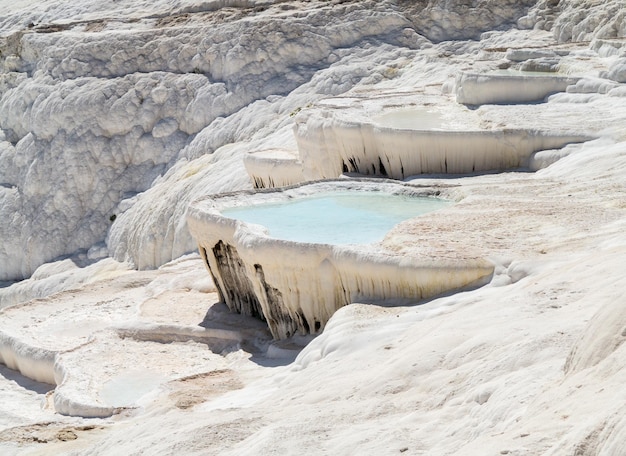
<point x="296" y="287"/>
<point x="116" y="115"/>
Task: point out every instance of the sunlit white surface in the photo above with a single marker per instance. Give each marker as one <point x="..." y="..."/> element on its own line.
<point x="126" y="389"/>
<point x="114" y="117"/>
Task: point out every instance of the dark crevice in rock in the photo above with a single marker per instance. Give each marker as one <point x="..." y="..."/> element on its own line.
<point x="281" y="324"/>
<point x="354" y="167"/>
<point x="381" y="167"/>
<point x="238" y="292"/>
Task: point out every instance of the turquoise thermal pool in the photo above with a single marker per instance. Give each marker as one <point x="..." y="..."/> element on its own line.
<point x="336" y="218"/>
<point x="293" y="256"/>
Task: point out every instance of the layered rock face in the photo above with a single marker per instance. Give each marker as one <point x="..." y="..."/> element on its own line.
<point x="463" y="19"/>
<point x="92" y="111"/>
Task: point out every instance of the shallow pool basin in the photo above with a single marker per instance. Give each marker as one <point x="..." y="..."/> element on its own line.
<point x="273" y="167"/>
<point x="411" y="118"/>
<point x="509" y="86"/>
<point x="297" y="283"/>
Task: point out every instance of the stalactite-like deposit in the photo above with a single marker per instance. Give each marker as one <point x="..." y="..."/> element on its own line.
<point x="273" y="168"/>
<point x="234" y="284"/>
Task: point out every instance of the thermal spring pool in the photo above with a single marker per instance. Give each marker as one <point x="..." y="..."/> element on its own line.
<point x="293" y="256"/>
<point x="509" y="86"/>
<point x="336" y="218"/>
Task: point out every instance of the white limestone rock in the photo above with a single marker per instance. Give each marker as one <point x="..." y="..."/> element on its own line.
<point x="483" y="88"/>
<point x="460" y="19"/>
<point x="273" y="168"/>
<point x="617" y="72"/>
<point x="336" y="141"/>
<point x="521" y="55"/>
<point x="609" y="47"/>
<point x="297" y="286"/>
<point x="100" y="115"/>
<point x="592" y="85"/>
<point x="479" y="372"/>
<point x="589" y="19"/>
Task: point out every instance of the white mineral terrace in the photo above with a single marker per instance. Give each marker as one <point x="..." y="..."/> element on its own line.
<point x="38" y="340"/>
<point x="395" y="140"/>
<point x="298" y="286"/>
<point x="273" y="167"/>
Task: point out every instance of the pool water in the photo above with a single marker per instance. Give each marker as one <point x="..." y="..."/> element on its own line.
<point x="348" y="217"/>
<point x="125" y="389"/>
<point x="511" y="72"/>
<point x="410" y="119"/>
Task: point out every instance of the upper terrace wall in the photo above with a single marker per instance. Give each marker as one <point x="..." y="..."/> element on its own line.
<point x="330" y="145"/>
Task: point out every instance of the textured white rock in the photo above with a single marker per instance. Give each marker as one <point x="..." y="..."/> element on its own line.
<point x="79" y="148"/>
<point x="588" y="19"/>
<point x="33" y="362"/>
<point x="609" y="47"/>
<point x="97" y="116"/>
<point x="617" y="72"/>
<point x="592" y="85"/>
<point x="273" y="168"/>
<point x="57" y="276"/>
<point x="545" y="158"/>
<point x="458" y="19"/>
<point x="521" y="55"/>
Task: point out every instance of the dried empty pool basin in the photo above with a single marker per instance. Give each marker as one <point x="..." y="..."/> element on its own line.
<point x="327" y="259"/>
<point x="416" y="118"/>
<point x="273" y="167"/>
